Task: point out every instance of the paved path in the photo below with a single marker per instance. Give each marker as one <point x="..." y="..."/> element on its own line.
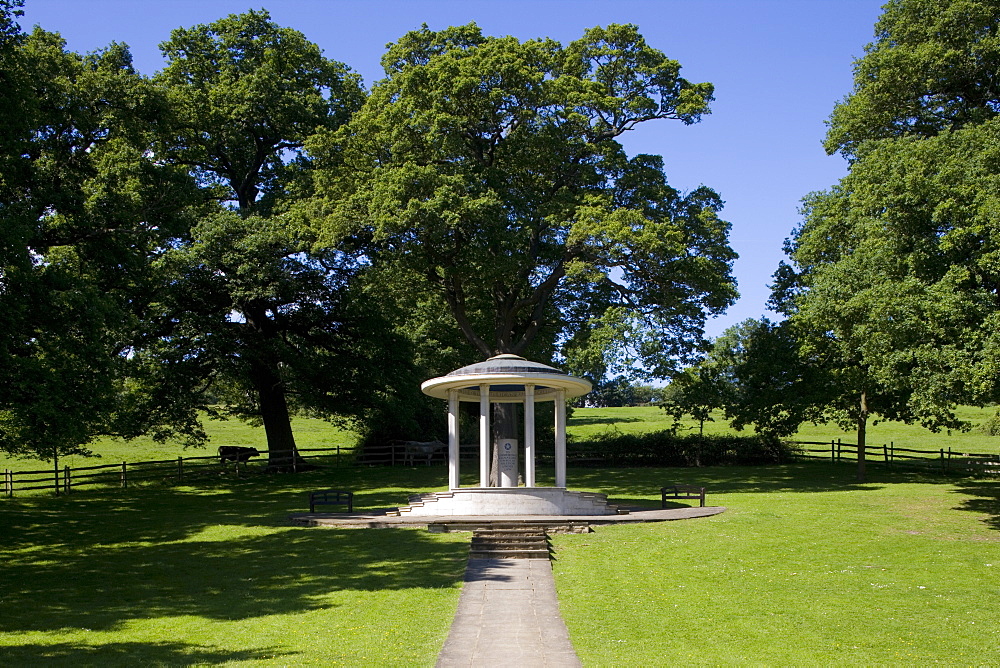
<point x="508" y="615"/>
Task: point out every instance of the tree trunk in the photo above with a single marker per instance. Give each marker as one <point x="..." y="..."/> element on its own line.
<point x="282" y="453"/>
<point x="862" y="426"/>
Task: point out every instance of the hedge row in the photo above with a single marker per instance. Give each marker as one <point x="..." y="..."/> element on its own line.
<point x="664" y="448"/>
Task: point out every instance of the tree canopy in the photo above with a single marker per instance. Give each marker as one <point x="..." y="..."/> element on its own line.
<point x="150" y="264"/>
<point x="253" y="311"/>
<point x="893" y="282"/>
<point x="85" y="207"/>
<point x="486" y="171"/>
<point x="932" y="68"/>
<point x="248" y="232"/>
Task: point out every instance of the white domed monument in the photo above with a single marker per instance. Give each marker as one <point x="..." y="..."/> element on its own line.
<point x="508" y="379"/>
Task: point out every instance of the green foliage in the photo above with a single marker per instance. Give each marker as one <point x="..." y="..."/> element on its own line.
<point x="893" y="285"/>
<point x="991" y="427"/>
<point x="299" y="315"/>
<point x="620" y="392"/>
<point x="931" y="69"/>
<point x="252" y="311"/>
<point x="666" y="448"/>
<point x="487" y="173"/>
<point x="85" y="207"/>
<point x="756" y="373"/>
<point x="245" y="94"/>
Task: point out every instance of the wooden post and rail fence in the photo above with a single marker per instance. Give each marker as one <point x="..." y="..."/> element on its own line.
<point x="64" y="480"/>
<point x="406" y="453"/>
<point x="945" y="459"/>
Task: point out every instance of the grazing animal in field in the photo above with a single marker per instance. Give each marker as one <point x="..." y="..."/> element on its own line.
<point x="421" y="451"/>
<point x="236" y="453"/>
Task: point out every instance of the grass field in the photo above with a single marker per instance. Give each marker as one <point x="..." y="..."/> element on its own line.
<point x="309" y="433"/>
<point x="215" y="575"/>
<point x="805" y="567"/>
<point x="588" y="422"/>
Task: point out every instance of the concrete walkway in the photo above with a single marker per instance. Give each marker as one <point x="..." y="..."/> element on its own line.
<point x="508" y="615"/>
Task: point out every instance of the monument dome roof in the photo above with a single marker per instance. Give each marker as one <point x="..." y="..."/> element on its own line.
<point x="506" y="376"/>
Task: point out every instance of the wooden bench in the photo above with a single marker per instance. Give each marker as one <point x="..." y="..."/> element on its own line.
<point x="682" y="492"/>
<point x="331" y="497"/>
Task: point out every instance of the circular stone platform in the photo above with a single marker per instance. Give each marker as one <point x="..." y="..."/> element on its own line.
<point x="380" y="519"/>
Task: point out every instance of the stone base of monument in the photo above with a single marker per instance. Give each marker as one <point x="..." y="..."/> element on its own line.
<point x="500" y="501"/>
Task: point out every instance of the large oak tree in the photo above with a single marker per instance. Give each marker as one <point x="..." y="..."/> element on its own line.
<point x="85" y="209"/>
<point x="255" y="312"/>
<point x="894" y="280"/>
<point x="488" y="173"/>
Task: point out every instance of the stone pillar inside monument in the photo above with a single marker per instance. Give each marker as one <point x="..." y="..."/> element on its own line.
<point x="505" y="461"/>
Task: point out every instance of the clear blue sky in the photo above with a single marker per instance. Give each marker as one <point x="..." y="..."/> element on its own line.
<point x="778" y="67"/>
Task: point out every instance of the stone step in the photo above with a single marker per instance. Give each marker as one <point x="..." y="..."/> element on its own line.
<point x="517" y="531"/>
<point x="514" y="542"/>
<point x="509" y="545"/>
<point x="509" y="554"/>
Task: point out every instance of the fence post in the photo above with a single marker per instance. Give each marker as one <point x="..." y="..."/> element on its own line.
<point x="180" y="469"/>
<point x="833" y="452"/>
<point x="8" y="480"/>
<point x="55" y="471"/>
<point x="942" y="459"/>
<point x="66" y="482"/>
<point x="338" y="456"/>
<point x="124" y="475"/>
<point x="885" y="454"/>
<point x="892" y="453"/>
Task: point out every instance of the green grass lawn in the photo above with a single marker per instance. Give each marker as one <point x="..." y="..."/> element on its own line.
<point x="804" y="568"/>
<point x="585" y="423"/>
<point x="215" y="575"/>
<point x="309" y="433"/>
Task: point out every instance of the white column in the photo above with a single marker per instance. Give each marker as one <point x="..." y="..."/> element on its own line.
<point x="561" y="438"/>
<point x="529" y="435"/>
<point x="453" y="439"/>
<point x="484" y="435"/>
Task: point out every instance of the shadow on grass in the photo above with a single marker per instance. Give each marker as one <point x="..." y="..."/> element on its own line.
<point x="986" y="501"/>
<point x="649" y="504"/>
<point x="639" y="485"/>
<point x="171" y="513"/>
<point x="125" y="654"/>
<point x="101" y="558"/>
<point x="219" y="577"/>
